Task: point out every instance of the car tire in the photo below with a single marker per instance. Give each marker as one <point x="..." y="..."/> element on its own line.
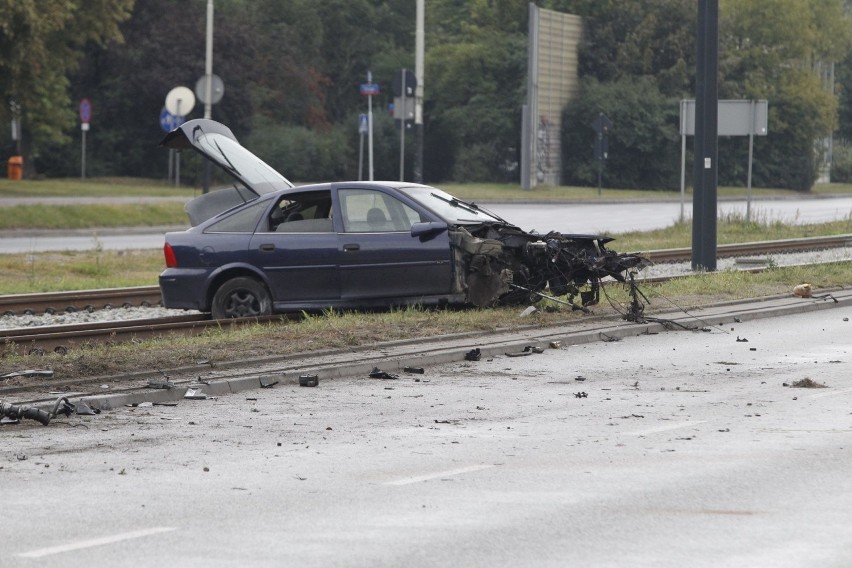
<point x="239" y="298"/>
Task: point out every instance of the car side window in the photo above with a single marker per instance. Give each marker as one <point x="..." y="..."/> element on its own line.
<point x="371" y="211"/>
<point x="302" y="213"/>
<point x="243" y="221"/>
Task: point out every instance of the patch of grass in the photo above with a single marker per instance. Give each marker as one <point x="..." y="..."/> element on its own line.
<point x="92" y="216"/>
<point x="78" y="270"/>
<point x="93" y="187"/>
<point x="334" y="329"/>
<point x="731" y="228"/>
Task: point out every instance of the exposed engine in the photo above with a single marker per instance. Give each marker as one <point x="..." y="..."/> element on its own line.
<point x="501" y="264"/>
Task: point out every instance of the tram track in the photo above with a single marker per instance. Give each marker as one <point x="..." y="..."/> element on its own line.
<point x="63" y="338"/>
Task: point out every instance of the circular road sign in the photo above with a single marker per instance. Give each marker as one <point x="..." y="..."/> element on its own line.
<point x="180" y="101"/>
<point x="217" y="89"/>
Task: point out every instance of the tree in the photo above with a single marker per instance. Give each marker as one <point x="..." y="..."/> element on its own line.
<point x="41" y="42"/>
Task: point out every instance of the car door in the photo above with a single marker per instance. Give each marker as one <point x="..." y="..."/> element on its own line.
<point x="378" y="256"/>
<point x="296" y="247"/>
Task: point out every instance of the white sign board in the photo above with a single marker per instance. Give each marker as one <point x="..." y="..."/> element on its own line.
<point x="736" y="118"/>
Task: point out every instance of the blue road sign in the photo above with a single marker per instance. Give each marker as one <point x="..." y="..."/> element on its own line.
<point x="369" y="89"/>
<point x="168" y="121"/>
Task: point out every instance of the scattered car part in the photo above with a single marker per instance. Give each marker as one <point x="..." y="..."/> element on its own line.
<point x="264" y="384"/>
<point x="581" y="395"/>
<point x="16" y="412"/>
<point x="416" y="370"/>
<point x="377" y="373"/>
<point x="473" y="355"/>
<point x="308" y="380"/>
<point x="29" y="373"/>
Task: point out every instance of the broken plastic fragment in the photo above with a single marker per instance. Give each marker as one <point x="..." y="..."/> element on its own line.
<point x="46" y="373"/>
<point x="377" y="373"/>
<point x="194" y="394"/>
<point x="83" y="409"/>
<point x="473" y="355"/>
<point x="308" y="380"/>
<point x="265" y="383"/>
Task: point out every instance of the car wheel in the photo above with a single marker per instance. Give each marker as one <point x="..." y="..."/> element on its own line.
<point x="240" y="298"/>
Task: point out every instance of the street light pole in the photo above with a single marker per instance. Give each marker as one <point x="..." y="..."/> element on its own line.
<point x="419" y="52"/>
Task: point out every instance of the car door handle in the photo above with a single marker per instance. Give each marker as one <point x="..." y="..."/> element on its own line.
<point x="267" y="247"/>
<point x="351" y="247"/>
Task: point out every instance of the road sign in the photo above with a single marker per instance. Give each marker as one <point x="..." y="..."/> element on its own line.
<point x="410" y="82"/>
<point x="85" y="111"/>
<point x="180" y="101"/>
<point x="168" y="121"/>
<point x="217" y="89"/>
<point x="369" y="89"/>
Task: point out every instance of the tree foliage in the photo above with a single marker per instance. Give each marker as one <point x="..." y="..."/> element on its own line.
<point x="41" y="43"/>
<point x="292" y="68"/>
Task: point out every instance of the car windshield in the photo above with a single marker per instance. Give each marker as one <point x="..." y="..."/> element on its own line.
<point x="449" y="208"/>
<point x="241" y="163"/>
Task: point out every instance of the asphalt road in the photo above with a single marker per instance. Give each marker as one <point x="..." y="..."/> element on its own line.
<point x="591" y="218"/>
<point x="686" y="450"/>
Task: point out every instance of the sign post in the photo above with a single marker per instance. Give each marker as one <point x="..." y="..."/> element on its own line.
<point x="602" y="125"/>
<point x="85" y="117"/>
<point x="180" y="101"/>
<point x="362" y="131"/>
<point x="369" y="89"/>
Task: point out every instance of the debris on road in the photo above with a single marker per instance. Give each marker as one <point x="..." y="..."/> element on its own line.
<point x="803" y="290"/>
<point x="377" y="373"/>
<point x="308" y="380"/>
<point x="806" y="383"/>
<point x="196" y="394"/>
<point x="266" y="384"/>
<point x="528" y="350"/>
<point x="15" y="412"/>
<point x="29" y="373"/>
<point x="555" y="344"/>
<point x="581" y="395"/>
<point x="415" y="370"/>
<point x="473" y="355"/>
<point x="741" y="339"/>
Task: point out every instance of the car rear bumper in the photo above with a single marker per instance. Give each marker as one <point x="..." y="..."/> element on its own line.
<point x="183" y="288"/>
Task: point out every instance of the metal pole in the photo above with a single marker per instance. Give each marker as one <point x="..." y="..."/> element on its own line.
<point x="361" y="157"/>
<point x="83" y="157"/>
<point x="177" y="154"/>
<point x="402" y="131"/>
<point x="419" y="51"/>
<point x="208" y="88"/>
<point x="682" y="158"/>
<point x="706" y="143"/>
<point x="370" y="126"/>
<point x="750" y="155"/>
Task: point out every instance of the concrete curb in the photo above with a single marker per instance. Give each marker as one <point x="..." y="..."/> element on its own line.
<point x="393" y="359"/>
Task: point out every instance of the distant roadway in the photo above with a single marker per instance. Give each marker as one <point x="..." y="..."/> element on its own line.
<point x="594" y="218"/>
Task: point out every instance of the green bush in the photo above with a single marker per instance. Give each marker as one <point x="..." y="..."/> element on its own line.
<point x="644" y="149"/>
<point x="841" y="162"/>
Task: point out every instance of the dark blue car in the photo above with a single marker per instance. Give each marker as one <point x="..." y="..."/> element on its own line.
<point x="263" y="245"/>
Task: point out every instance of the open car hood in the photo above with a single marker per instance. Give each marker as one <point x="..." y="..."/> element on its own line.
<point x="216" y="142"/>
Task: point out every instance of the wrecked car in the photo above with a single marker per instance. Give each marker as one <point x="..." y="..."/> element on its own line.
<point x="262" y="245"/>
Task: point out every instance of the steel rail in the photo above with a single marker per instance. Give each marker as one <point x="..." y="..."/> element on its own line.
<point x="80" y="300"/>
<point x="755" y="248"/>
<point x="55" y="302"/>
<point x="63" y="338"/>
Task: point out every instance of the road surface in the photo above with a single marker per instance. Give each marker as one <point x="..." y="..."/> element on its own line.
<point x="677" y="449"/>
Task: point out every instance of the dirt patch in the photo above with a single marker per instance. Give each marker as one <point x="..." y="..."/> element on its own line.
<point x="807" y="384"/>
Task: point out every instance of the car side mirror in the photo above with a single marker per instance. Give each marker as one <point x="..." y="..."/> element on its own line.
<point x="428" y="229"/>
